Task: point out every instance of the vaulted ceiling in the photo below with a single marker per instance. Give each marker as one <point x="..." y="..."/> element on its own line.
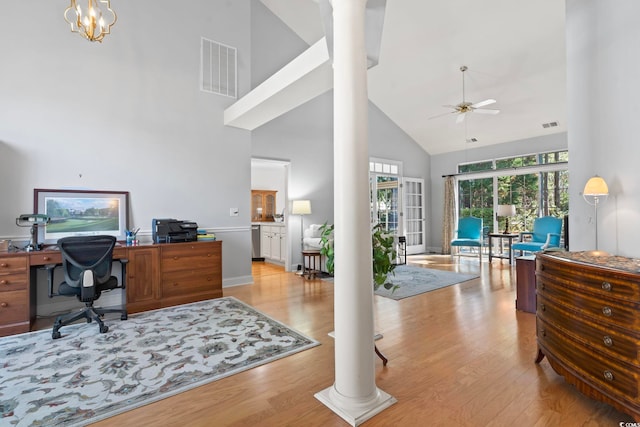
<point x="514" y="51"/>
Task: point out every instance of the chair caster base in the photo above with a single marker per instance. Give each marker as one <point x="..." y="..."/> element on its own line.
<point x="55" y="335"/>
<point x="103" y="329"/>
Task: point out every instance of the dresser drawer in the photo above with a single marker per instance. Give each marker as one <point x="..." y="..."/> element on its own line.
<point x="12" y="264"/>
<point x="188" y="282"/>
<point x="604" y="372"/>
<point x="13" y="282"/>
<point x="183" y="256"/>
<point x="14" y="307"/>
<point x="621" y="344"/>
<point x="611" y="284"/>
<point x="600" y="309"/>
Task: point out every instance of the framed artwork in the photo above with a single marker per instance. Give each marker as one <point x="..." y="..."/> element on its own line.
<point x="81" y="213"/>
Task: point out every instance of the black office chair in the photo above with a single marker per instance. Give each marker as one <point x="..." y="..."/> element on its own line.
<point x="86" y="262"/>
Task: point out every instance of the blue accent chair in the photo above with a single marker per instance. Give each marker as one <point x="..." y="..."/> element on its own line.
<point x="545" y="234"/>
<point x="469" y="234"/>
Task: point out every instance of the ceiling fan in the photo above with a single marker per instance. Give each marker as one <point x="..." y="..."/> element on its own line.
<point x="465" y="106"/>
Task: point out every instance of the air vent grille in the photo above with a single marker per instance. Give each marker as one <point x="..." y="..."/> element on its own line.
<point x="218" y="68"/>
<point x="472" y="140"/>
<point x="549" y="125"/>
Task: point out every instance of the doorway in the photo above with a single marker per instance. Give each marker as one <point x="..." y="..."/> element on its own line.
<point x="274" y="175"/>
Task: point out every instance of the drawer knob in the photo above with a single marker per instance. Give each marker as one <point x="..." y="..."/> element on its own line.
<point x="606" y="286"/>
<point x="607" y="311"/>
<point x="4" y="265"/>
<point x="4" y="282"/>
<point x="46" y="258"/>
<point x="4" y="305"/>
<point x="543" y="332"/>
<point x="608" y="341"/>
<point x="608" y="375"/>
<point x="543" y="307"/>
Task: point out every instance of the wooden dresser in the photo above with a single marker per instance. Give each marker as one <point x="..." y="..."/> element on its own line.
<point x="588" y="324"/>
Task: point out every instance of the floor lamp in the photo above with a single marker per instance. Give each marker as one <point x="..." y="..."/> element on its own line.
<point x="301" y="207"/>
<point x="595" y="191"/>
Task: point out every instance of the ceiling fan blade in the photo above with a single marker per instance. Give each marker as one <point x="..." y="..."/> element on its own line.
<point x="460" y="117"/>
<point x="441" y="115"/>
<point x="486" y="111"/>
<point x="483" y="103"/>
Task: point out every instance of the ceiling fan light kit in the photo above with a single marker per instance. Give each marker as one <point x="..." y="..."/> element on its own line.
<point x="465" y="106"/>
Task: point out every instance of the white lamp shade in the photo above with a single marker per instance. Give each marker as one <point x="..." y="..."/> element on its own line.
<point x="301" y="207"/>
<point x="596" y="186"/>
<point x="506" y="210"/>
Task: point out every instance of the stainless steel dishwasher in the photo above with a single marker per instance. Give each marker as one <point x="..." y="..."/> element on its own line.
<point x="255" y="243"/>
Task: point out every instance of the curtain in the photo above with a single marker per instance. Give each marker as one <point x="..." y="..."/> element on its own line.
<point x="449" y="216"/>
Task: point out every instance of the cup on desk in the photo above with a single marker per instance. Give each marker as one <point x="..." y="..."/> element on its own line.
<point x="4" y="245"/>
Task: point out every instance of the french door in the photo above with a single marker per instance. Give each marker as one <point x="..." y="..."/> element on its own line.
<point x="414" y="218"/>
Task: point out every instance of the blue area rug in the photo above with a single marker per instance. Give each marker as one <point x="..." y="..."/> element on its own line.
<point x="417" y="280"/>
<point x="86" y="376"/>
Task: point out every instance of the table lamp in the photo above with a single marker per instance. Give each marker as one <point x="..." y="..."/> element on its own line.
<point x="506" y="211"/>
<point x="595" y="190"/>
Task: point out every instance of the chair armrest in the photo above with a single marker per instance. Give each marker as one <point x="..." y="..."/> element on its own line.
<point x="549" y="235"/>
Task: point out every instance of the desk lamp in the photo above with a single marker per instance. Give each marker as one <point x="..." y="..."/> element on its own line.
<point x="506" y="211"/>
<point x="33" y="221"/>
<point x="595" y="190"/>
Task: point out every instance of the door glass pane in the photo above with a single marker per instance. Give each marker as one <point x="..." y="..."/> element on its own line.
<point x="387" y="202"/>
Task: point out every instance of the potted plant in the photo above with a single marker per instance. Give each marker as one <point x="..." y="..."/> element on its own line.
<point x="383" y="254"/>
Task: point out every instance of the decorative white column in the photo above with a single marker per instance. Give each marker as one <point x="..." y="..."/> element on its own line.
<point x="354" y="395"/>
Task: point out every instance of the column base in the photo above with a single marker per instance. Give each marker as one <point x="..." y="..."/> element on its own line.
<point x="353" y="412"/>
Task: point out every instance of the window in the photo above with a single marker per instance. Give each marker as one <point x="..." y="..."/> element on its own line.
<point x="536" y="184"/>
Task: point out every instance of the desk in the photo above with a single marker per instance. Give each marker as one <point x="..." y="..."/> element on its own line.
<point x="509" y="237"/>
<point x="158" y="275"/>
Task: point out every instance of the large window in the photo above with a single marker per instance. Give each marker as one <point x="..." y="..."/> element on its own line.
<point x="535" y="183"/>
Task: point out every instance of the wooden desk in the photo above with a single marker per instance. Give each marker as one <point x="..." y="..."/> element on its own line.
<point x="158" y="275"/>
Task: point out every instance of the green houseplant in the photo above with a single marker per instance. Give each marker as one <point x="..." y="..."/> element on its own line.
<point x="383" y="254"/>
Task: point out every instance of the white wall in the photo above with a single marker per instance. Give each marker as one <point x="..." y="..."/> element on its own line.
<point x="126" y="114"/>
<point x="603" y="66"/>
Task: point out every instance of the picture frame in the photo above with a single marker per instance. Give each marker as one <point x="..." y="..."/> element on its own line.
<point x="81" y="213"/>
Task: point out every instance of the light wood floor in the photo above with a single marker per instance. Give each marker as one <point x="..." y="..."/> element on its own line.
<point x="458" y="356"/>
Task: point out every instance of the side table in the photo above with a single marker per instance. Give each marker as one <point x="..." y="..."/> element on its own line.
<point x="526" y="283"/>
<point x="309" y="268"/>
<point x="509" y="237"/>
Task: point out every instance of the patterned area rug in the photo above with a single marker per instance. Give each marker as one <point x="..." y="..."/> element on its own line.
<point x="417" y="280"/>
<point x="86" y="376"/>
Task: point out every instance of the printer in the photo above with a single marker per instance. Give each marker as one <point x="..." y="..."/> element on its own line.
<point x="169" y="230"/>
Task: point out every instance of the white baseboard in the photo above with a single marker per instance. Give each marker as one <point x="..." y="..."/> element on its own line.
<point x="236" y="281"/>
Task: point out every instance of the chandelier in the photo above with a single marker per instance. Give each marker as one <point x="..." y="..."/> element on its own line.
<point x="90" y="23"/>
